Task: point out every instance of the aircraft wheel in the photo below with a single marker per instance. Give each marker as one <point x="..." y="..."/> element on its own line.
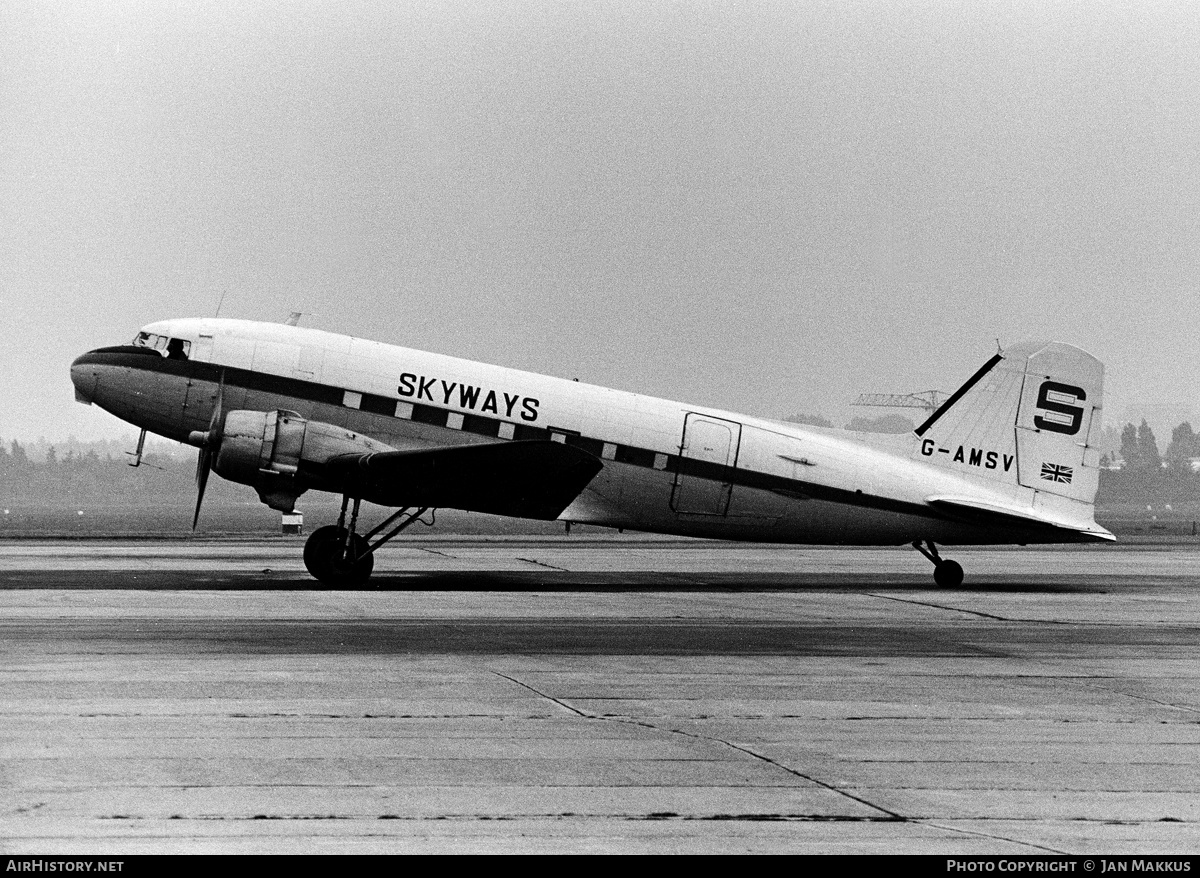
<point x="321" y="553"/>
<point x="948" y="574"/>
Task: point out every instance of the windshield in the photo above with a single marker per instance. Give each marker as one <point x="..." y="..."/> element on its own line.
<point x="172" y="348"/>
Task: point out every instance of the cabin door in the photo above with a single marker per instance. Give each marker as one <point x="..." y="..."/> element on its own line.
<point x="707" y="457"/>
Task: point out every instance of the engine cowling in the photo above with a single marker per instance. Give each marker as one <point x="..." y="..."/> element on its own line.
<point x="281" y="454"/>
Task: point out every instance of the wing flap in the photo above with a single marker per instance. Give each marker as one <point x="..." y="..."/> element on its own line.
<point x="523" y="479"/>
<point x="982" y="511"/>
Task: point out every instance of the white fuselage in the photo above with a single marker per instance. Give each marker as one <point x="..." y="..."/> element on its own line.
<point x="668" y="467"/>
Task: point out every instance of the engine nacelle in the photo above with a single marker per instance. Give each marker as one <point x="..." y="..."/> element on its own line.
<point x="280" y="454"/>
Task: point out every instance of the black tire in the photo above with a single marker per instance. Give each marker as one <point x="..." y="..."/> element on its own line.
<point x="948" y="574"/>
<point x="318" y="551"/>
<point x="321" y="557"/>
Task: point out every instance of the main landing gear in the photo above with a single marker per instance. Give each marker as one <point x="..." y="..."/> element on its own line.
<point x="946" y="573"/>
<point x="339" y="557"/>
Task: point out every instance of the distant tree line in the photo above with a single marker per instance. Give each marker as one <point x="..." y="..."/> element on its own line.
<point x="88" y="477"/>
<point x="1138" y="473"/>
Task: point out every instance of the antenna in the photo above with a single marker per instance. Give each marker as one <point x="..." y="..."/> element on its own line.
<point x="220" y="303"/>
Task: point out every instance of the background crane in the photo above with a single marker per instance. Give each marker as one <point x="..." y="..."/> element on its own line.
<point x="929" y="400"/>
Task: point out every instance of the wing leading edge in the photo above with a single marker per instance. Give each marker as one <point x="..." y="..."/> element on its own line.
<point x="523" y="479"/>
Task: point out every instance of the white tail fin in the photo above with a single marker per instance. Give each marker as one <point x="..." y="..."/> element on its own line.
<point x="1030" y="417"/>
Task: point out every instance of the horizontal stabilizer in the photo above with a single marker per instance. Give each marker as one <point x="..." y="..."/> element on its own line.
<point x="983" y="512"/>
<point x="522" y="479"/>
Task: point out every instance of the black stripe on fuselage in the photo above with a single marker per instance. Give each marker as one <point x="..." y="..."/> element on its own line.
<point x="135" y="358"/>
<point x="378" y="405"/>
<point x="263" y="382"/>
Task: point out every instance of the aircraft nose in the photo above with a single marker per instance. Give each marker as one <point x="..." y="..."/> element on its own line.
<point x="88" y="368"/>
<point x="85" y="377"/>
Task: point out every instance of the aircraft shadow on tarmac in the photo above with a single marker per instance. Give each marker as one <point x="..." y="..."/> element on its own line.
<point x="454" y="635"/>
<point x="549" y="580"/>
<point x="715" y="582"/>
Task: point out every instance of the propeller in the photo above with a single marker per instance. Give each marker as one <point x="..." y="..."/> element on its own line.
<point x="209" y="442"/>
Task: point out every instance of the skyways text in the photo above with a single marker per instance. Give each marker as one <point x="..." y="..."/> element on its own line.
<point x="467" y="396"/>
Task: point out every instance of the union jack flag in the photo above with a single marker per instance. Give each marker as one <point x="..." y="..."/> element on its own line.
<point x="1056" y="472"/>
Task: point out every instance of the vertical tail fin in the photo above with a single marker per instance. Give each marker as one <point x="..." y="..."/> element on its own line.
<point x="1031" y="416"/>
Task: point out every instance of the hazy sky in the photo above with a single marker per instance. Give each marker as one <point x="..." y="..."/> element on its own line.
<point x="767" y="207"/>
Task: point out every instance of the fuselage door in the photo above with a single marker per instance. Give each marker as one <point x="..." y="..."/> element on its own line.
<point x="707" y="457"/>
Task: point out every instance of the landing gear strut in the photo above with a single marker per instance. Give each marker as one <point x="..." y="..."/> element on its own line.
<point x="946" y="573"/>
<point x="339" y="557"/>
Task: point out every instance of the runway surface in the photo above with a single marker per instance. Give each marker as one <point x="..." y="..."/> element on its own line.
<point x="598" y="694"/>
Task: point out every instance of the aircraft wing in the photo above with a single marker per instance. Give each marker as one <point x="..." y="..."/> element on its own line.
<point x="983" y="512"/>
<point x="525" y="479"/>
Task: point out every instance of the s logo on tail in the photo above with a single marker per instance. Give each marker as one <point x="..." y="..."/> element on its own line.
<point x="1057" y="400"/>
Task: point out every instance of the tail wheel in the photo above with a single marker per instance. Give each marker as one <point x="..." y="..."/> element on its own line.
<point x="324" y="559"/>
<point x="948" y="574"/>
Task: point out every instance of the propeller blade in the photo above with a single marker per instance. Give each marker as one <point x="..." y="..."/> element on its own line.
<point x="209" y="448"/>
<point x="203" y="467"/>
<point x="214" y="423"/>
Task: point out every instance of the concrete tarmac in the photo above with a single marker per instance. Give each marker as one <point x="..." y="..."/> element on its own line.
<point x="597" y="694"/>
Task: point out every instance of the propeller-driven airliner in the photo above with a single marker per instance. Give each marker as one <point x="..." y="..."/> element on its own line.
<point x="1009" y="458"/>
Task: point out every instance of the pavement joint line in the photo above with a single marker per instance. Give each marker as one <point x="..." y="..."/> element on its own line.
<point x="892" y="815"/>
<point x="541" y="694"/>
<point x="978" y="613"/>
<point x="653" y="816"/>
<point x="1089" y="682"/>
<point x="543" y="564"/>
<point x="993" y="836"/>
<point x="1186" y="707"/>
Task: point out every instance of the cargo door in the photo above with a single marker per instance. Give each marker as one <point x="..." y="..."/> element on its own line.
<point x="707" y="458"/>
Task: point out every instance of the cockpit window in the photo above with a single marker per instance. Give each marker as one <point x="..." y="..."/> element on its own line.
<point x="171" y="348"/>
